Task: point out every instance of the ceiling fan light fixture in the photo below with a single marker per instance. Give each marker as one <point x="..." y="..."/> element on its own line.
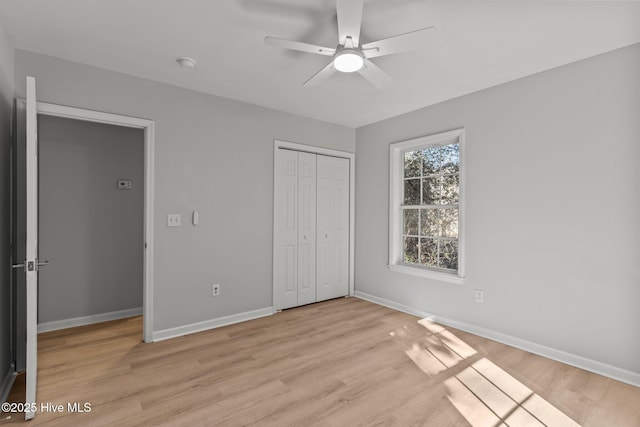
<point x="348" y="61"/>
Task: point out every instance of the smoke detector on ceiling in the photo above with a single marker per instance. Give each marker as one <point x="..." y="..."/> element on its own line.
<point x="186" y="62"/>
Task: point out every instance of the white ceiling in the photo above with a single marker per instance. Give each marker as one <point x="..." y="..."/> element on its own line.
<point x="477" y="44"/>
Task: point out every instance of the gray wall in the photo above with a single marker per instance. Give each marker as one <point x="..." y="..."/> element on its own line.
<point x="90" y="231"/>
<point x="553" y="235"/>
<point x="212" y="154"/>
<point x="6" y="116"/>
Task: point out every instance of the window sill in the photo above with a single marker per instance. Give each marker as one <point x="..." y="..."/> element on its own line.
<point x="429" y="274"/>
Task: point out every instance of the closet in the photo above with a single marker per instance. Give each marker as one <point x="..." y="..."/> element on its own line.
<point x="311" y="228"/>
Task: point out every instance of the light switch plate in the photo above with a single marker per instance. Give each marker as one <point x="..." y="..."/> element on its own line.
<point x="174" y="220"/>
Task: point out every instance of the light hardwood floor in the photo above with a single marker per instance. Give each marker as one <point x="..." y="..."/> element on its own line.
<point x="343" y="362"/>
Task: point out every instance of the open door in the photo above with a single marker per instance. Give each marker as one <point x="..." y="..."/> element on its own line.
<point x="26" y="245"/>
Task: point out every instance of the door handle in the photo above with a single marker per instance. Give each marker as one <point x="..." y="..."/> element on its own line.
<point x="30" y="265"/>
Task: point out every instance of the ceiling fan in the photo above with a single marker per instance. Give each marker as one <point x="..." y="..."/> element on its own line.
<point x="350" y="56"/>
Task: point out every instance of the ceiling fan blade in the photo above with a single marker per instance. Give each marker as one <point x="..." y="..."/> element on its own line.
<point x="320" y="76"/>
<point x="375" y="75"/>
<point x="301" y="46"/>
<point x="349" y="20"/>
<point x="395" y="44"/>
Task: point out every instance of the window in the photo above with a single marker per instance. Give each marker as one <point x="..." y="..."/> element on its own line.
<point x="426" y="208"/>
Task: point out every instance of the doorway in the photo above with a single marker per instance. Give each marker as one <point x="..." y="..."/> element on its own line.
<point x="91" y="208"/>
<point x="47" y="111"/>
<point x="148" y="128"/>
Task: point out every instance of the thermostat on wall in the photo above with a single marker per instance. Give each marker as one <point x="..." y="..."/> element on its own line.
<point x="125" y="184"/>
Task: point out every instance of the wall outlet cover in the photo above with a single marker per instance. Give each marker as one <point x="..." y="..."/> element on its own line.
<point x="174" y="220"/>
<point x="125" y="184"/>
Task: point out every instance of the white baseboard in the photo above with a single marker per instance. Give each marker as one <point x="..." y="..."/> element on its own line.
<point x="594" y="366"/>
<point x="7" y="383"/>
<point x="88" y="320"/>
<point x="210" y="324"/>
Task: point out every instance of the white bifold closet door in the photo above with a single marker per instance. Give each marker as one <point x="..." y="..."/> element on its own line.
<point x="332" y="279"/>
<point x="311" y="228"/>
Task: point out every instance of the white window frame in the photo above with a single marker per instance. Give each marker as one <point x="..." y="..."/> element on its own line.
<point x="396" y="181"/>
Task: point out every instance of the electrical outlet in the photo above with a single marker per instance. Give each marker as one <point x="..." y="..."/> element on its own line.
<point x="479" y="295"/>
<point x="216" y="290"/>
<point x="174" y="220"/>
<point x="125" y="184"/>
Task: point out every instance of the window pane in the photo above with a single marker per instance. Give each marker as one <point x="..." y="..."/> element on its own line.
<point x="429" y="222"/>
<point x="448" y="254"/>
<point x="412" y="163"/>
<point x="411" y="249"/>
<point x="411" y="221"/>
<point x="431" y="190"/>
<point x="428" y="251"/>
<point x="428" y="174"/>
<point x="450" y="158"/>
<point x="449" y="222"/>
<point x="450" y="190"/>
<point x="431" y="160"/>
<point x="412" y="192"/>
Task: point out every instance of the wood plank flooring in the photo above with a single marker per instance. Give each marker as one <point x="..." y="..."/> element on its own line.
<point x="344" y="362"/>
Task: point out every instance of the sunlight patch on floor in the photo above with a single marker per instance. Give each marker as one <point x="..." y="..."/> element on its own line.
<point x="484" y="394"/>
<point x="434" y="352"/>
<point x="488" y="396"/>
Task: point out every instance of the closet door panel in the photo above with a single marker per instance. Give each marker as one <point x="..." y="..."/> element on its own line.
<point x="341" y="226"/>
<point x="324" y="273"/>
<point x="333" y="228"/>
<point x="285" y="256"/>
<point x="306" y="228"/>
